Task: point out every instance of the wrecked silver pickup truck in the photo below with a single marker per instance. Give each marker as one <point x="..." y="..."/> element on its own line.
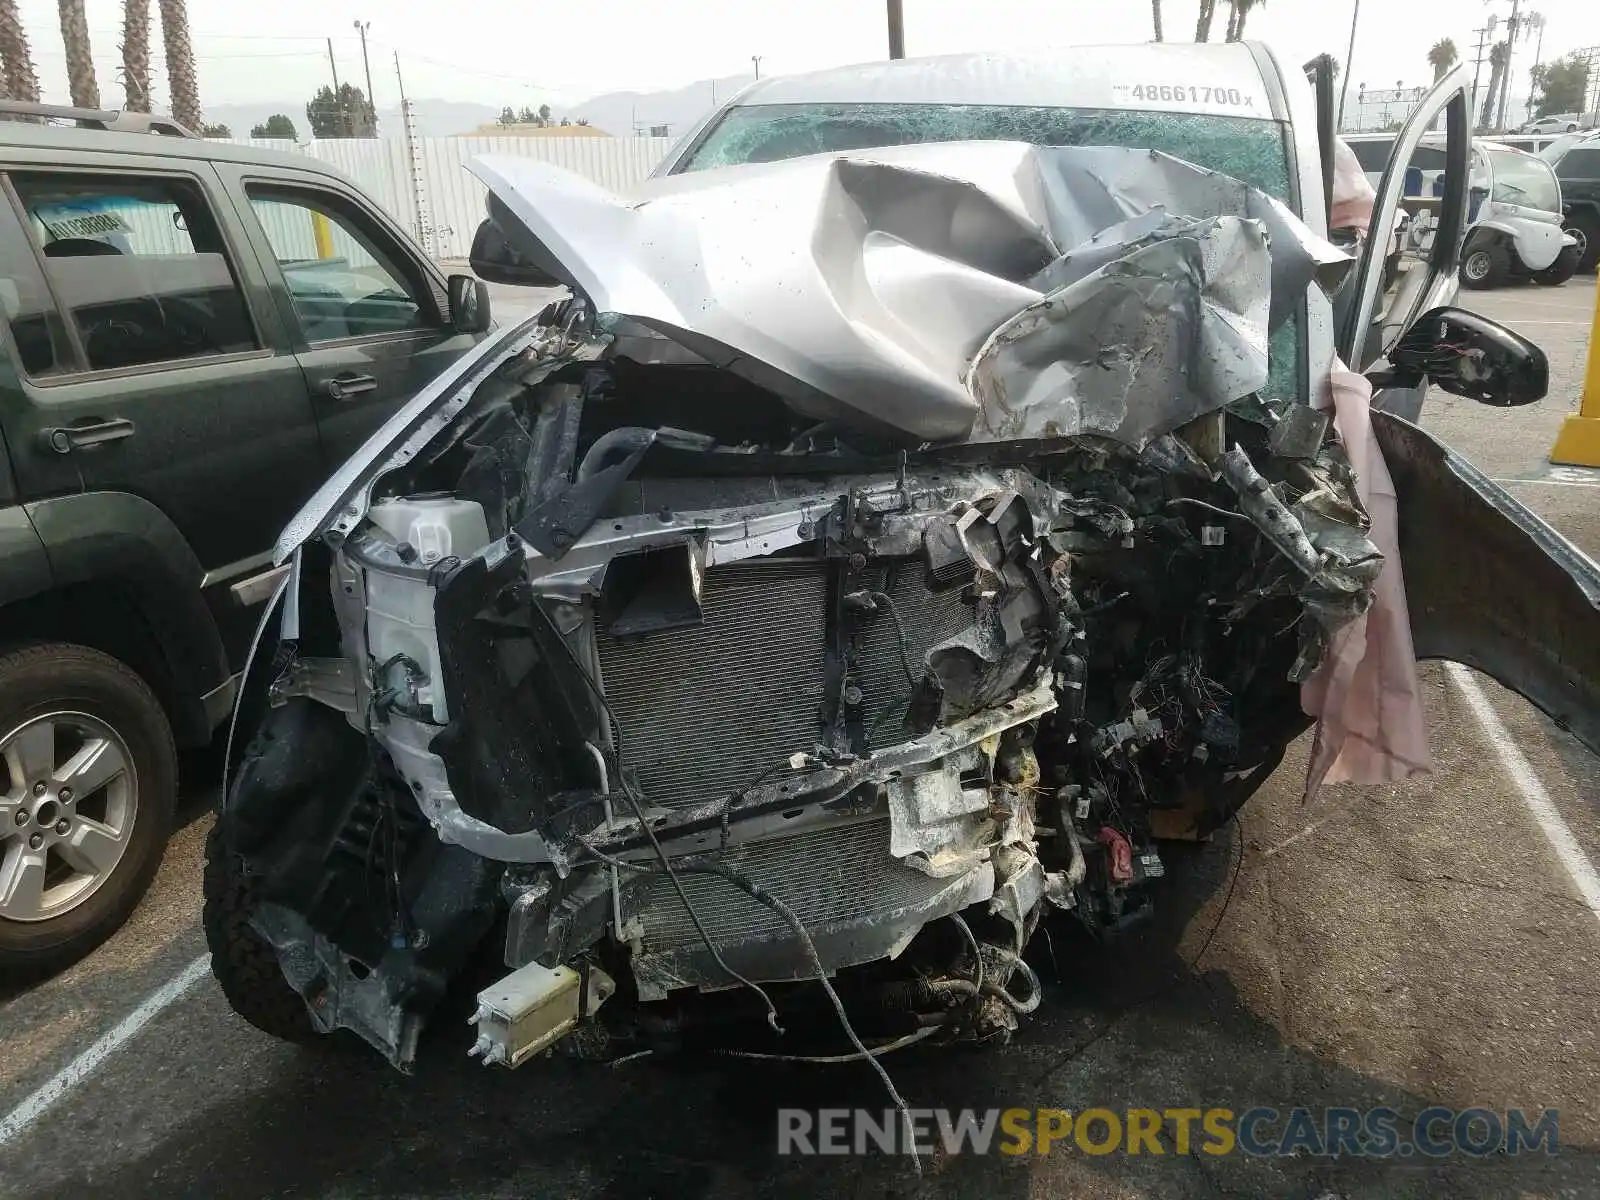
<point x="880" y="550"/>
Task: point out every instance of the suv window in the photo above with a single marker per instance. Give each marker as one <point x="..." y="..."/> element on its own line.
<point x="1373" y="155"/>
<point x="1579" y="164"/>
<point x="43" y="347"/>
<point x="139" y="266"/>
<point x="343" y="280"/>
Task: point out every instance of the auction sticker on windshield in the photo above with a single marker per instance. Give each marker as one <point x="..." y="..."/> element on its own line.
<point x="1184" y="93"/>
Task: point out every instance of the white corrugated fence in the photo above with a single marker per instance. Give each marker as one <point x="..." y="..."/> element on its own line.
<point x="452" y="198"/>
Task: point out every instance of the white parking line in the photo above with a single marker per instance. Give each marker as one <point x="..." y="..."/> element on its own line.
<point x="1578" y="868"/>
<point x="1547" y="483"/>
<point x="80" y="1068"/>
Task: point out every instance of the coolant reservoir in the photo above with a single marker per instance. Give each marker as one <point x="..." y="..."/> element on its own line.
<point x="437" y="526"/>
<point x="400" y="607"/>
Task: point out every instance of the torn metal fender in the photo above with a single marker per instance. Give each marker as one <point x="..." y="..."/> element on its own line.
<point x="1491" y="585"/>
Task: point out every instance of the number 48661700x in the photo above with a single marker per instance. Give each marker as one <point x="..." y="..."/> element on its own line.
<point x="1191" y="92"/>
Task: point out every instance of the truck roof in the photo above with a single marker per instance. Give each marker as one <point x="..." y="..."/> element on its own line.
<point x="1238" y="79"/>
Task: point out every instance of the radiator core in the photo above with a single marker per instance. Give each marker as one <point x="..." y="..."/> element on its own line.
<point x="705" y="710"/>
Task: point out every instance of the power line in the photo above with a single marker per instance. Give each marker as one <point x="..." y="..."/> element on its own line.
<point x="238" y="37"/>
<point x="450" y="66"/>
<point x="159" y="56"/>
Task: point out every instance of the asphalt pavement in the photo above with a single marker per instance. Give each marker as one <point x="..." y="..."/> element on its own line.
<point x="1407" y="946"/>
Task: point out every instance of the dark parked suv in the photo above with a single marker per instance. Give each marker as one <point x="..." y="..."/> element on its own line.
<point x="1577" y="165"/>
<point x="194" y="335"/>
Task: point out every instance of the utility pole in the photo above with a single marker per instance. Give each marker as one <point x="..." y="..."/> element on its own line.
<point x="1477" y="71"/>
<point x="897" y="30"/>
<point x="372" y="101"/>
<point x="344" y="115"/>
<point x="755" y="59"/>
<point x="1349" y="61"/>
<point x="419" y="191"/>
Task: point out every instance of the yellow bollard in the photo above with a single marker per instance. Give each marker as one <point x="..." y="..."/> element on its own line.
<point x="322" y="231"/>
<point x="1578" y="443"/>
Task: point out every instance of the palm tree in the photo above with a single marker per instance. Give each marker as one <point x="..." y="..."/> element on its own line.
<point x="1236" y="17"/>
<point x="1155" y="17"/>
<point x="17" y="75"/>
<point x="1442" y="57"/>
<point x="80" y="62"/>
<point x="181" y="79"/>
<point x="1202" y="27"/>
<point x="136" y="54"/>
<point x="1497" y="72"/>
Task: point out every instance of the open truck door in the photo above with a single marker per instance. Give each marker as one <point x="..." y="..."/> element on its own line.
<point x="1489" y="583"/>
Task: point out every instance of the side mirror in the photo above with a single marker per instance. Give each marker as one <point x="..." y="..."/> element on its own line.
<point x="469" y="304"/>
<point x="1469" y="355"/>
<point x="495" y="258"/>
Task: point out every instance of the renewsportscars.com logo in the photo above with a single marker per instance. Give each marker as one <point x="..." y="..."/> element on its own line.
<point x="1263" y="1132"/>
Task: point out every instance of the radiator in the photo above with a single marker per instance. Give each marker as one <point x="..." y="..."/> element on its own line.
<point x="928" y="618"/>
<point x="857" y="903"/>
<point x="706" y="710"/>
<point x="826" y="877"/>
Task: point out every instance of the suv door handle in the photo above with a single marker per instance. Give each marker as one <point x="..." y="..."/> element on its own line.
<point x="344" y="387"/>
<point x="64" y="439"/>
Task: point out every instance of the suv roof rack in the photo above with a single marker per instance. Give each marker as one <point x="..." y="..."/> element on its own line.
<point x="114" y="120"/>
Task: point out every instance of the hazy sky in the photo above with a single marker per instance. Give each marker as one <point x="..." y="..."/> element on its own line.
<point x="523" y="51"/>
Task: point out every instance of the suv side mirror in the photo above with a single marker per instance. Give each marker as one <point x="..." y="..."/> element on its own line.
<point x="1469" y="355"/>
<point x="469" y="304"/>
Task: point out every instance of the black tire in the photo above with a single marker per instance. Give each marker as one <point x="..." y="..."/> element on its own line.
<point x="1558" y="272"/>
<point x="1585" y="226"/>
<point x="55" y="677"/>
<point x="1485" y="263"/>
<point x="242" y="961"/>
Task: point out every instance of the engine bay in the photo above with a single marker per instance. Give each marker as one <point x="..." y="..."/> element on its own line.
<point x="708" y="714"/>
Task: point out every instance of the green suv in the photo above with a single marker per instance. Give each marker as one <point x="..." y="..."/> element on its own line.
<point x="194" y="335"/>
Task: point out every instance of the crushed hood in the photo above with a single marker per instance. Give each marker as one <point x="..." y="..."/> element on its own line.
<point x="978" y="291"/>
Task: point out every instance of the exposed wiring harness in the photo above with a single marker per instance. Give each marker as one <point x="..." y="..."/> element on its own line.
<point x="700" y="865"/>
<point x="972" y="944"/>
<point x="899" y="1043"/>
<point x="1157" y="993"/>
<point x="900" y="635"/>
<point x="697" y="864"/>
<point x="1206" y="504"/>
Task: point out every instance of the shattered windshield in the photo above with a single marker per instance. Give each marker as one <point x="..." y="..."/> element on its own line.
<point x="1249" y="149"/>
<point x="1244" y="147"/>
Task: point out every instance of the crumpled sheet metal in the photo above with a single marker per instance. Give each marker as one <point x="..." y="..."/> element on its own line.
<point x="1136" y="348"/>
<point x="978" y="291"/>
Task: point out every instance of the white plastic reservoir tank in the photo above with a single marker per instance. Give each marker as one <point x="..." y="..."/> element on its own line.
<point x="400" y="607"/>
<point x="437" y="526"/>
